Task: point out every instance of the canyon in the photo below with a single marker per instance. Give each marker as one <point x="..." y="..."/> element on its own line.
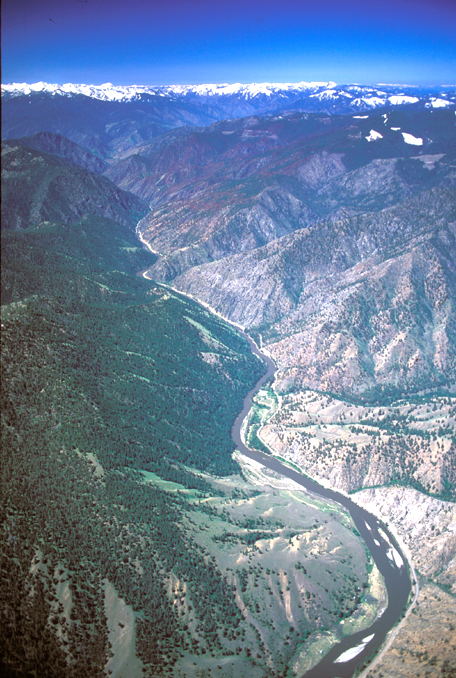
<point x="329" y="235"/>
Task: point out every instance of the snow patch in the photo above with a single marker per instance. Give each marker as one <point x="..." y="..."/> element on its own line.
<point x="400" y="99"/>
<point x="329" y="94"/>
<point x="373" y="136"/>
<point x="438" y="103"/>
<point x="410" y="139"/>
<point x="373" y="101"/>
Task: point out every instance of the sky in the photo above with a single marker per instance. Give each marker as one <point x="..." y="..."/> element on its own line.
<point x="164" y="42"/>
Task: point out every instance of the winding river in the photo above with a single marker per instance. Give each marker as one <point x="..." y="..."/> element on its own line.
<point x="344" y="657"/>
<point x="342" y="660"/>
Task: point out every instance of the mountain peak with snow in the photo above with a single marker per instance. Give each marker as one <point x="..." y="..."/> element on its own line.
<point x="206" y="103"/>
<point x="105" y="92"/>
<point x="109" y="92"/>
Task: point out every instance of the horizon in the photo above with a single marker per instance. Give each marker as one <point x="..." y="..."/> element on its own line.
<point x="269" y="83"/>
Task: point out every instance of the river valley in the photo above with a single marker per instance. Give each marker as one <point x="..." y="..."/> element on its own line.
<point x="342" y="660"/>
<point x="344" y="657"/>
<point x="131" y="519"/>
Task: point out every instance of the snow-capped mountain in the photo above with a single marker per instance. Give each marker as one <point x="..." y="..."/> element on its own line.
<point x="250" y="91"/>
<point x="109" y="92"/>
<point x="106" y="92"/>
<point x="314" y="94"/>
<point x="111" y="120"/>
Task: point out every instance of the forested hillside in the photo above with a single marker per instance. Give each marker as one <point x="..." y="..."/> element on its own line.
<point x="104" y="374"/>
<point x="38" y="187"/>
<point x="116" y="395"/>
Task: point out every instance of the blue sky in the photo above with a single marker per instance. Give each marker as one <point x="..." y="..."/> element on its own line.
<point x="158" y="42"/>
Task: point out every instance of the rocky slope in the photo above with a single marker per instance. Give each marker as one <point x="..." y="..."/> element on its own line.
<point x="235" y="186"/>
<point x="372" y="313"/>
<point x="425" y="646"/>
<point x="355" y="447"/>
<point x="340" y="259"/>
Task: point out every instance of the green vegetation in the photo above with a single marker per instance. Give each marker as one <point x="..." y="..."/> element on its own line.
<point x="104" y="376"/>
<point x="264" y="406"/>
<point x="124" y="353"/>
<point x="254" y="423"/>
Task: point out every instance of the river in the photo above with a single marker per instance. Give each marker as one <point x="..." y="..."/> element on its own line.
<point x="342" y="660"/>
<point x="344" y="657"/>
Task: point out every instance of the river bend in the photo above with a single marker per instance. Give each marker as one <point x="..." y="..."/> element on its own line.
<point x="385" y="552"/>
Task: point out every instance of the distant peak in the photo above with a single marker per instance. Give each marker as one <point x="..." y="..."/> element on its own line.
<point x="254" y="88"/>
<point x="110" y="92"/>
<point x="105" y="92"/>
<point x="324" y="95"/>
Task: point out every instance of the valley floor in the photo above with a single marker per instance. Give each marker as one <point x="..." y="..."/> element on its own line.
<point x="324" y="437"/>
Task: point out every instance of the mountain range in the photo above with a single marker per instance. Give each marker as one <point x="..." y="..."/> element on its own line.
<point x="321" y="218"/>
<point x="109" y="120"/>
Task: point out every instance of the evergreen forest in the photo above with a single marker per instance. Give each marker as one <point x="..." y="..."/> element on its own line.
<point x="105" y="377"/>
